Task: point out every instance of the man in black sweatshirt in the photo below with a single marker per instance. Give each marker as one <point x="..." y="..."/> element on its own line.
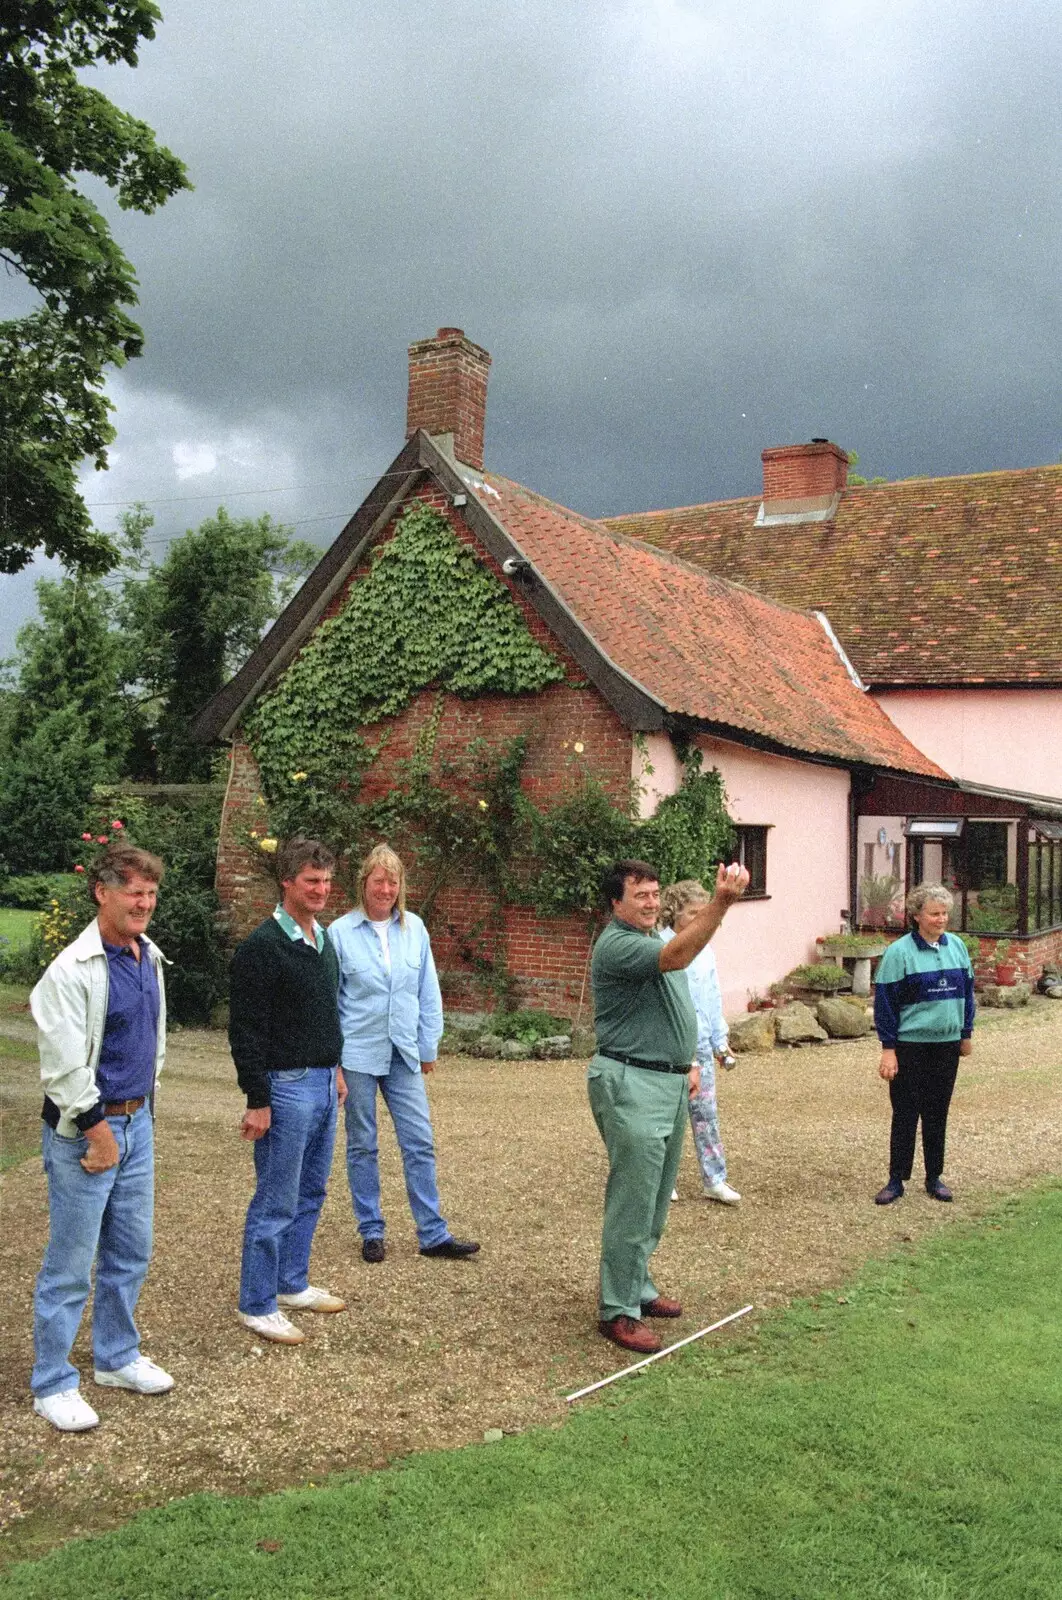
<point x="286" y="1042"/>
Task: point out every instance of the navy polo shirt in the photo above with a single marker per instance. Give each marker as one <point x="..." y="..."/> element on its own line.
<point x="130" y="1035"/>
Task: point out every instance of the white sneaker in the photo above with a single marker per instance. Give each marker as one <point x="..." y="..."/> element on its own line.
<point x="66" y="1411"/>
<point x="143" y="1375"/>
<point x="275" y="1326"/>
<point x="674" y="1194"/>
<point x="721" y="1192"/>
<point x="311" y="1299"/>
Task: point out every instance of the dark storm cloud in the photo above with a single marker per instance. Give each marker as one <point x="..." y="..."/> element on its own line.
<point x="683" y="234"/>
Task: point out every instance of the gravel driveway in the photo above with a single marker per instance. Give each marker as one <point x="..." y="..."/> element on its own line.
<point x="433" y="1353"/>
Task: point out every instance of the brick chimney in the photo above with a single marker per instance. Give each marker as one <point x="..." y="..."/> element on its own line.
<point x="448" y="392"/>
<point x="803" y="482"/>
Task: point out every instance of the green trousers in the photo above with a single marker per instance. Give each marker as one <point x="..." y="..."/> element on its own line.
<point x="641" y="1116"/>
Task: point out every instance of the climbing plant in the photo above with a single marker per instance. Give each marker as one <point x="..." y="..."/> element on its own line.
<point x="426" y="613"/>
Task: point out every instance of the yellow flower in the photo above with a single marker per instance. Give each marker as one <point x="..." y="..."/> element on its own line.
<point x="268" y="845"/>
<point x="299" y="777"/>
<point x="578" y="747"/>
<point x="483" y="805"/>
<point x="258" y="800"/>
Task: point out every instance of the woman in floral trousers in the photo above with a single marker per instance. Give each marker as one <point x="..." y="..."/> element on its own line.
<point x="678" y="903"/>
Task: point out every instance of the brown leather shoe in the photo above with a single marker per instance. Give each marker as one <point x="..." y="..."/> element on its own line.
<point x="661" y="1307"/>
<point x="631" y="1335"/>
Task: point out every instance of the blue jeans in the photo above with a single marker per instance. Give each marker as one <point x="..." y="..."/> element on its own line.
<point x="105" y="1216"/>
<point x="407" y="1101"/>
<point x="292" y="1161"/>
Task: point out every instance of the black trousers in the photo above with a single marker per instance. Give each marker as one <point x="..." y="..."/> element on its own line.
<point x="922" y="1088"/>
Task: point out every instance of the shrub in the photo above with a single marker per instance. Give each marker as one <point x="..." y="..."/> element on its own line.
<point x="35" y="890"/>
<point x="527" y="1026"/>
<point x="824" y="975"/>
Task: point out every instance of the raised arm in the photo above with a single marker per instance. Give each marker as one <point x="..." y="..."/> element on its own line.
<point x="730" y="884"/>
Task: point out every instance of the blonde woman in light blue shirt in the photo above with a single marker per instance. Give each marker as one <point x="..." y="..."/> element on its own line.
<point x="390" y="1011"/>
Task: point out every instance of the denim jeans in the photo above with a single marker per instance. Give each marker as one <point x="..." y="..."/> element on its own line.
<point x="407" y="1101"/>
<point x="101" y="1215"/>
<point x="292" y="1161"/>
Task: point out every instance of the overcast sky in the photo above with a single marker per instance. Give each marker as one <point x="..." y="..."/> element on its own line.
<point x="683" y="231"/>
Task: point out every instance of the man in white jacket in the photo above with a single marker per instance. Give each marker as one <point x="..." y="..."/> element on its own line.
<point x="100" y="1011"/>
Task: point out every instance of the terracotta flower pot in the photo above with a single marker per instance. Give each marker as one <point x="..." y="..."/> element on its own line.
<point x="1006" y="975"/>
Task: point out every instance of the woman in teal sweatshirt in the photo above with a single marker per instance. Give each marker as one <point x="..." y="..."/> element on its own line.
<point x="924" y="1015"/>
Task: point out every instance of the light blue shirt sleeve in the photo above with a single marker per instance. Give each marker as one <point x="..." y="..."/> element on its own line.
<point x="713" y="1036"/>
<point x="386" y="1006"/>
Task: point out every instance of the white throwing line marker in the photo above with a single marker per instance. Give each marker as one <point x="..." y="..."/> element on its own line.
<point x="660" y="1354"/>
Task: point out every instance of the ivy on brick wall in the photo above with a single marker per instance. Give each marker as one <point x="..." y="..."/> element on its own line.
<point x="426" y="613"/>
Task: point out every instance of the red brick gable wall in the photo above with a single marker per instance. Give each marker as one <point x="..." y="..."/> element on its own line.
<point x="546" y="958"/>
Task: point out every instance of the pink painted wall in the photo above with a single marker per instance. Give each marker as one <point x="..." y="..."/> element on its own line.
<point x="806" y="808"/>
<point x="1009" y="738"/>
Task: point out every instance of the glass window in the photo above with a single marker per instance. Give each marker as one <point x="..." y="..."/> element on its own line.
<point x="751" y="850"/>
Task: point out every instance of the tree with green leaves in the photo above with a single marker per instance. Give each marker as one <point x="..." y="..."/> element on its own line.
<point x="196" y="616"/>
<point x="53" y="129"/>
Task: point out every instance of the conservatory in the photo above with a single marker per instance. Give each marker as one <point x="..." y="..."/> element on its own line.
<point x="999" y="852"/>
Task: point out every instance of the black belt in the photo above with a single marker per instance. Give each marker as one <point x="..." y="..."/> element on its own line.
<point x="650" y="1066"/>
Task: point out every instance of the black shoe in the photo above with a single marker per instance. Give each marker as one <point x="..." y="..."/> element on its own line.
<point x="938" y="1190"/>
<point x="893" y="1190"/>
<point x="451" y="1249"/>
<point x="373" y="1250"/>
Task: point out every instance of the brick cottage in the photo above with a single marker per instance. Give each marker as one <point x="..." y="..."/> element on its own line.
<point x="659" y="655"/>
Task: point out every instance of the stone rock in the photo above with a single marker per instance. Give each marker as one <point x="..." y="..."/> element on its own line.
<point x="843" y="1019"/>
<point x="584" y="1043"/>
<point x="513" y="1050"/>
<point x="795" y="1022"/>
<point x="1005" y="996"/>
<point x="1054" y="991"/>
<point x="219" y="1015"/>
<point x="753" y="1032"/>
<point x="558" y="1047"/>
<point x="488" y="1045"/>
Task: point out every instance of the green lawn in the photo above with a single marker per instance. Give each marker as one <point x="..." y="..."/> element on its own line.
<point x="15" y="925"/>
<point x="20" y="1091"/>
<point x="902" y="1438"/>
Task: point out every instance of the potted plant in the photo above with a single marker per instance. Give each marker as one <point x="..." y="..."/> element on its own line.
<point x="880" y="899"/>
<point x="1006" y="971"/>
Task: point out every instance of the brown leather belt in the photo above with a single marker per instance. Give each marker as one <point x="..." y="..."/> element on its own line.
<point x="122" y="1108"/>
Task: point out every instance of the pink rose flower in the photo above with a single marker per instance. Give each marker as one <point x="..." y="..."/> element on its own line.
<point x="101" y="838"/>
<point x="79" y="869"/>
<point x="87" y="836"/>
<point x="116" y="824"/>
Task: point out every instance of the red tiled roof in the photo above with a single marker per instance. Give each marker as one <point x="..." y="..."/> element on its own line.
<point x="929" y="581"/>
<point x="699" y="645"/>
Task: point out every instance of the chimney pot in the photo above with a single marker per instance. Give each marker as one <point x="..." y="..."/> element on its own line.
<point x="803" y="482"/>
<point x="448" y="392"/>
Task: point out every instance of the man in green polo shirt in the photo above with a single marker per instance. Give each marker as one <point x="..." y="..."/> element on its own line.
<point x="646" y="1041"/>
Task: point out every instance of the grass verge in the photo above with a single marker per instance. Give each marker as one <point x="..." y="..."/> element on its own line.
<point x="16" y="927"/>
<point x="900" y="1438"/>
<point x="20" y="1093"/>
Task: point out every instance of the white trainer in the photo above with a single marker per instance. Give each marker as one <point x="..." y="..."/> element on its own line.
<point x="142" y="1375"/>
<point x="311" y="1299"/>
<point x="674" y="1194"/>
<point x="66" y="1411"/>
<point x="721" y="1192"/>
<point x="275" y="1327"/>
